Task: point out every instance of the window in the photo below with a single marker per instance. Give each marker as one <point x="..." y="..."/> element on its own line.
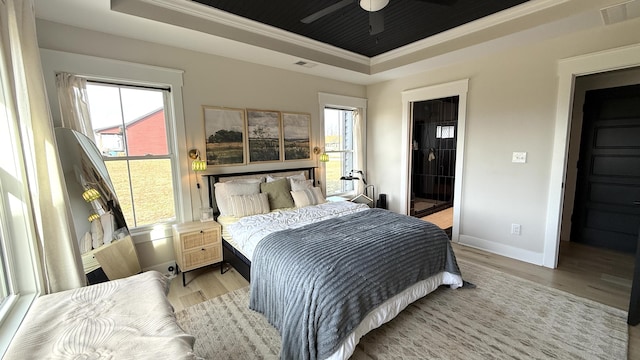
<point x="344" y="125"/>
<point x="18" y="281"/>
<point x="445" y="132"/>
<point x="4" y="281"/>
<point x="338" y="142"/>
<point x="131" y="130"/>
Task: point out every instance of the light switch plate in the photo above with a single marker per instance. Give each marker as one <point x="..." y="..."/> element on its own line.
<point x="519" y="157"/>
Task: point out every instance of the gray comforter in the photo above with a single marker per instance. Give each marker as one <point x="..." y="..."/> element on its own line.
<point x="316" y="283"/>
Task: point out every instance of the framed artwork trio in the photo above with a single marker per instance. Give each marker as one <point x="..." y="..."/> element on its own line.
<point x="244" y="136"/>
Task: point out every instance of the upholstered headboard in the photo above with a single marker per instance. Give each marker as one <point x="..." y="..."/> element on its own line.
<point x="215" y="178"/>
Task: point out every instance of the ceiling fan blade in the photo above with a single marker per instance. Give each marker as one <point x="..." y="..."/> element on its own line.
<point x="376" y="22"/>
<point x="326" y="11"/>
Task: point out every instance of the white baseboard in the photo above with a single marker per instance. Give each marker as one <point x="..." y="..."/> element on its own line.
<point x="501" y="249"/>
<point x="164" y="268"/>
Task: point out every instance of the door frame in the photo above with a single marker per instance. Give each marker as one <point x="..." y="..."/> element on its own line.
<point x="456" y="88"/>
<point x="568" y="70"/>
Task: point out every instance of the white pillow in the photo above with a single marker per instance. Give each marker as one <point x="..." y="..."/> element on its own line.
<point x="86" y="243"/>
<point x="300" y="176"/>
<point x="298" y="185"/>
<point x="223" y="190"/>
<point x="273" y="178"/>
<point x="245" y="205"/>
<point x="308" y="197"/>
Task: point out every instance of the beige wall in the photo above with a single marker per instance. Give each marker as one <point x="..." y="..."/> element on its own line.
<point x="208" y="80"/>
<point x="511" y="107"/>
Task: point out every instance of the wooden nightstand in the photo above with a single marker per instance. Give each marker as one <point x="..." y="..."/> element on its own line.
<point x="197" y="244"/>
<point x="112" y="261"/>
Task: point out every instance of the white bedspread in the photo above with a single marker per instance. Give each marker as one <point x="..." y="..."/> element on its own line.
<point x="248" y="231"/>
<point x="129" y="318"/>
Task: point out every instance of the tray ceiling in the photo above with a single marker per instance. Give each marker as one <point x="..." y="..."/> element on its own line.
<point x="405" y="21"/>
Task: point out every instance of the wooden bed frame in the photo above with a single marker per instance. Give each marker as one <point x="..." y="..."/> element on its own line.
<point x="229" y="254"/>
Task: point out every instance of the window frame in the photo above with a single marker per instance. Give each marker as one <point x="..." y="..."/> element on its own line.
<point x="171" y="153"/>
<point x="342" y="152"/>
<point x="110" y="70"/>
<point x="327" y="100"/>
<point x="18" y="244"/>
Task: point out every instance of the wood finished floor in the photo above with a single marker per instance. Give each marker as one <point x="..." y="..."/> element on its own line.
<point x="596" y="274"/>
<point x="444" y="218"/>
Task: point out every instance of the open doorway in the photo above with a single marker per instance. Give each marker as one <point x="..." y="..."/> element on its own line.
<point x="608" y="179"/>
<point x="602" y="178"/>
<point x="454" y="95"/>
<point x="627" y="57"/>
<point x="433" y="155"/>
<point x="599" y="224"/>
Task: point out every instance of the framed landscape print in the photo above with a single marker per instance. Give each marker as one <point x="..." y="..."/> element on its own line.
<point x="263" y="133"/>
<point x="296" y="133"/>
<point x="225" y="132"/>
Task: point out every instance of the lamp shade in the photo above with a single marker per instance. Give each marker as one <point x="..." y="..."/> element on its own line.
<point x="373" y="5"/>
<point x="199" y="165"/>
<point x="90" y="194"/>
<point x="324" y="157"/>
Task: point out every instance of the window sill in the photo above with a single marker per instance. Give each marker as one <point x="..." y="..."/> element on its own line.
<point x="17" y="311"/>
<point x="152" y="233"/>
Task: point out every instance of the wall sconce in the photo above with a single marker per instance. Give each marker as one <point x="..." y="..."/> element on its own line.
<point x="206" y="213"/>
<point x="90" y="194"/>
<point x="197" y="164"/>
<point x="323" y="156"/>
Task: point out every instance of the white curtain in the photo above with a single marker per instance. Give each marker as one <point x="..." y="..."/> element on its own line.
<point x="358" y="147"/>
<point x="58" y="248"/>
<point x="74" y="103"/>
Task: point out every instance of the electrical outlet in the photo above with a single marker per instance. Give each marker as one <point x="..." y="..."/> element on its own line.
<point x="515" y="229"/>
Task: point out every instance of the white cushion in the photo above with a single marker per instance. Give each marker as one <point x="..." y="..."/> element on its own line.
<point x="245" y="205"/>
<point x="298" y="185"/>
<point x="223" y="190"/>
<point x="308" y="197"/>
<point x="300" y="176"/>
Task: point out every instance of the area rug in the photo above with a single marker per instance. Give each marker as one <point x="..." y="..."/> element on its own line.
<point x="503" y="317"/>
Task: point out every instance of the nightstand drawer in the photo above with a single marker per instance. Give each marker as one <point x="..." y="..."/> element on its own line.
<point x="200" y="239"/>
<point x="202" y="257"/>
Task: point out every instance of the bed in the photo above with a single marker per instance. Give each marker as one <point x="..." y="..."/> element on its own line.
<point x="326" y="273"/>
<point x="129" y="318"/>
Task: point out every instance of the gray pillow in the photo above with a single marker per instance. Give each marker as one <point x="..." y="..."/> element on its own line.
<point x="279" y="194"/>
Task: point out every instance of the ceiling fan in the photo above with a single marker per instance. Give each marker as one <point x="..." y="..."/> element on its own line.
<point x="374" y="7"/>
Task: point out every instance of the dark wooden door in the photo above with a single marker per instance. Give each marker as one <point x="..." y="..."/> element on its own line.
<point x="608" y="183"/>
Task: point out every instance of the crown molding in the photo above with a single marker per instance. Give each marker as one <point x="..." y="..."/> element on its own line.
<point x="211" y="14"/>
<point x="487" y="22"/>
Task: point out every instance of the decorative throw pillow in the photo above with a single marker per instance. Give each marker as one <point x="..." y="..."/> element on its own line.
<point x="298" y="185"/>
<point x="245" y="205"/>
<point x="223" y="190"/>
<point x="278" y="193"/>
<point x="308" y="197"/>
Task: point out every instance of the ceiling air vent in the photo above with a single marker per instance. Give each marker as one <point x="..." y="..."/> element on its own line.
<point x="621" y="12"/>
<point x="305" y="64"/>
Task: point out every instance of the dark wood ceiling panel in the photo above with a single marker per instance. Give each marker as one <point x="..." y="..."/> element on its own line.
<point x="405" y="21"/>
